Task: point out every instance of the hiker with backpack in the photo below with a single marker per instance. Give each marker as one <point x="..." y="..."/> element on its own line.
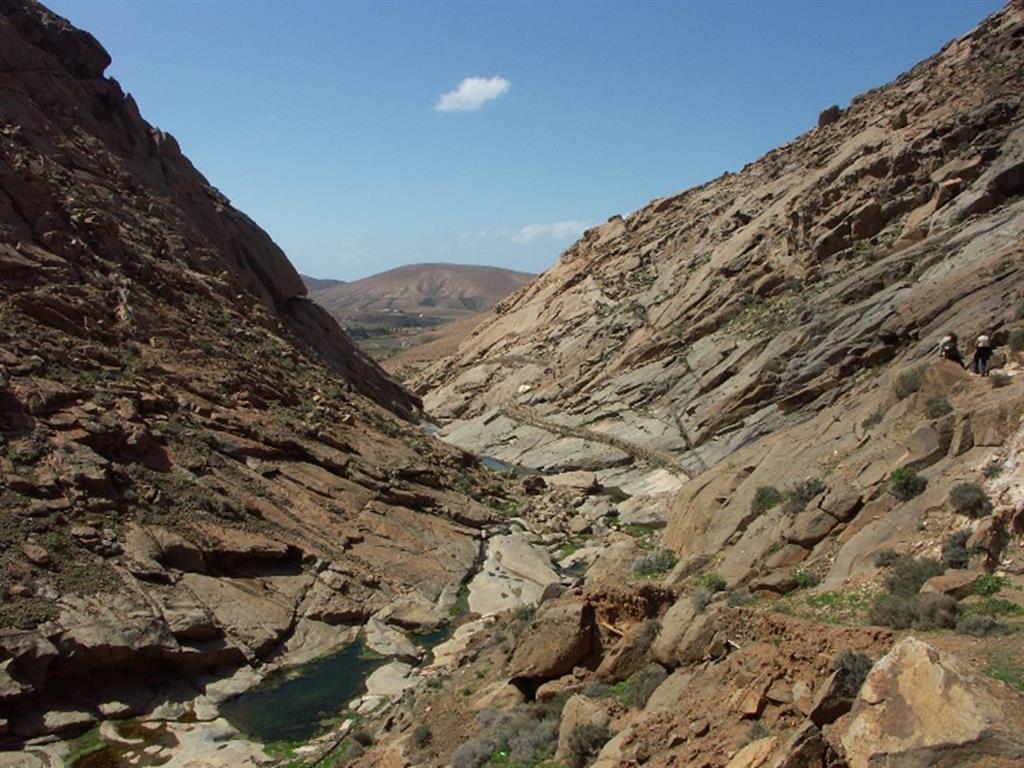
<point x="982" y="353"/>
<point x="949" y="351"/>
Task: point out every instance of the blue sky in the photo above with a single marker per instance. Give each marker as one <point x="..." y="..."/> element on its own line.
<point x="327" y="122"/>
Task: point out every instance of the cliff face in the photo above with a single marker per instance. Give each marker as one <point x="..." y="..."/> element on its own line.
<point x="196" y="463"/>
<point x="708" y="319"/>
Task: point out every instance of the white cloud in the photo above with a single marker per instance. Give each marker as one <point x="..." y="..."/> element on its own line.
<point x="472" y="93"/>
<point x="559" y="230"/>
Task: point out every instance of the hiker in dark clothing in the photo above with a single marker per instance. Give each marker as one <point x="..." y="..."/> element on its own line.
<point x="982" y="352"/>
<point x="949" y="350"/>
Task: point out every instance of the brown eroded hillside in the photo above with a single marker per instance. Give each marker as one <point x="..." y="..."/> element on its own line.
<point x="422" y="288"/>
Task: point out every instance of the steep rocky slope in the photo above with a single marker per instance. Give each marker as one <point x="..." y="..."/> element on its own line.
<point x="199" y="469"/>
<point x="732" y="310"/>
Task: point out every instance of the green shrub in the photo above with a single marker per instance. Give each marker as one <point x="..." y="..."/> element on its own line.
<point x="854" y="668"/>
<point x="992" y="469"/>
<point x="585" y="742"/>
<point x="909" y="382"/>
<point x="970" y="499"/>
<point x="799" y="494"/>
<point x="805" y="579"/>
<point x="1015" y="340"/>
<point x="712" y="582"/>
<point x="655" y="563"/>
<point x="936" y="407"/>
<point x="766" y="497"/>
<point x="905" y="484"/>
<point x="954" y="550"/>
<point x="988" y="584"/>
<point x="999" y="379"/>
<point x="908" y="574"/>
<point x="977" y="624"/>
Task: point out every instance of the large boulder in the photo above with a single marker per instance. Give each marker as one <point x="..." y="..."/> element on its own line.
<point x="558" y="639"/>
<point x="920" y="708"/>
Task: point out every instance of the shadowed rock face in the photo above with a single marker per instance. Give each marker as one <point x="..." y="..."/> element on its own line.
<point x="196" y="463"/>
<point x="731" y="310"/>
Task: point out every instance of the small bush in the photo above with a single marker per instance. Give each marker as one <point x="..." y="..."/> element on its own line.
<point x="999" y="379"/>
<point x="970" y="499"/>
<point x="1016" y="340"/>
<point x="474" y="753"/>
<point x="893" y="611"/>
<point x="639" y="687"/>
<point x="712" y="582"/>
<point x="936" y="611"/>
<point x="989" y="584"/>
<point x="801" y="493"/>
<point x="855" y="667"/>
<point x="954" y="550"/>
<point x="656" y="563"/>
<point x="937" y="407"/>
<point x="905" y="484"/>
<point x="805" y="579"/>
<point x="766" y="497"/>
<point x="421" y="736"/>
<point x="929" y="611"/>
<point x="908" y="574"/>
<point x="585" y="743"/>
<point x="887" y="557"/>
<point x="992" y="469"/>
<point x="977" y="624"/>
<point x="909" y="382"/>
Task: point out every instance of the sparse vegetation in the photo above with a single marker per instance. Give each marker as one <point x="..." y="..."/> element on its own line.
<point x="855" y="668"/>
<point x="909" y="382"/>
<point x="766" y="497"/>
<point x="908" y="574"/>
<point x="905" y="484"/>
<point x="937" y="407"/>
<point x="977" y="625"/>
<point x="954" y="550"/>
<point x="585" y="743"/>
<point x="523" y="736"/>
<point x="929" y="611"/>
<point x="635" y="691"/>
<point x="988" y="584"/>
<point x="799" y="494"/>
<point x="712" y="582"/>
<point x="992" y="469"/>
<point x="656" y="563"/>
<point x="999" y="379"/>
<point x="1006" y="671"/>
<point x="805" y="579"/>
<point x="970" y="499"/>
